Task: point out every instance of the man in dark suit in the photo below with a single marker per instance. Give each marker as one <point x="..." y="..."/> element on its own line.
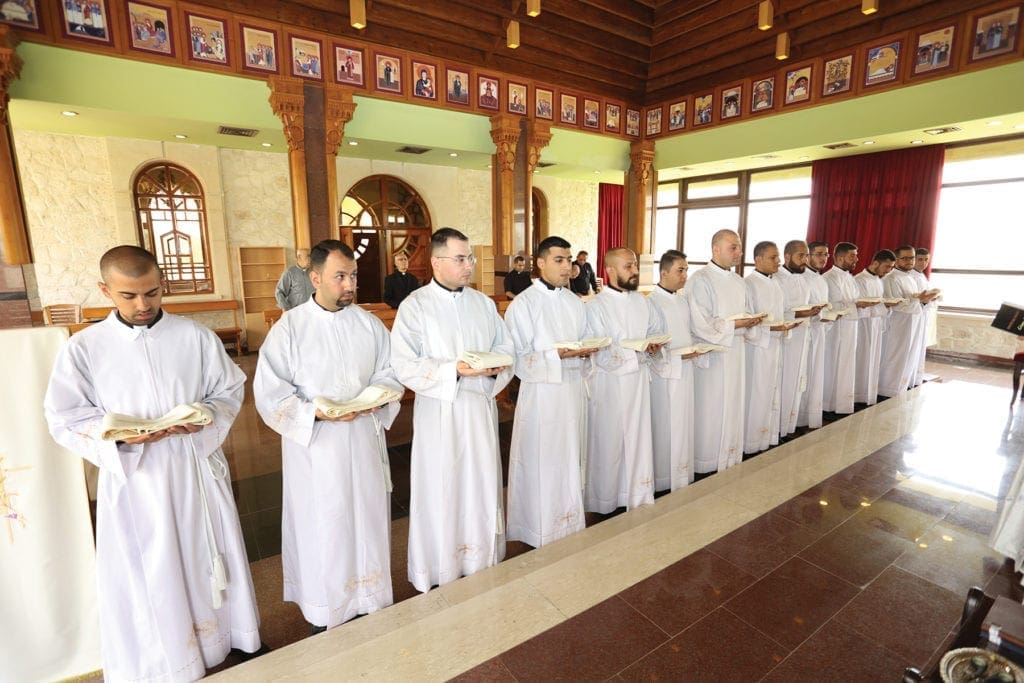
<point x="586" y="282"/>
<point x="400" y="283"/>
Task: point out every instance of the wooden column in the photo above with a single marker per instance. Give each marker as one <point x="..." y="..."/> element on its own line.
<point x="538" y="136"/>
<point x="505" y="134"/>
<point x="637" y="197"/>
<point x="339" y="108"/>
<point x="288" y="103"/>
<point x="14" y="245"/>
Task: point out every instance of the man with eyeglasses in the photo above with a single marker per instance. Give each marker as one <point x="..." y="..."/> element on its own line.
<point x="900" y="355"/>
<point x="336" y="511"/>
<point x="811" y="400"/>
<point x="456" y="521"/>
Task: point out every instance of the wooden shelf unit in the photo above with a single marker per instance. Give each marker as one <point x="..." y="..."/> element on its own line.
<point x="260" y="268"/>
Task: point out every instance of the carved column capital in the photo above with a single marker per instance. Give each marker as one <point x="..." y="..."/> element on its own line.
<point x="641" y="160"/>
<point x="288" y="104"/>
<point x="538" y="136"/>
<point x="339" y="107"/>
<point x="10" y="66"/>
<point x="505" y="135"/>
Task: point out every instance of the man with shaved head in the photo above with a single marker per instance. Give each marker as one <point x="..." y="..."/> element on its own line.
<point x="174" y="590"/>
<point x="295" y="287"/>
<point x="718" y="315"/>
<point x="620" y="459"/>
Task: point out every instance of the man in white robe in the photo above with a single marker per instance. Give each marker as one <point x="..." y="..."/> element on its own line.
<point x="336" y="511"/>
<point x="718" y="309"/>
<point x="763" y="378"/>
<point x="922" y="257"/>
<point x="811" y="400"/>
<point x="545" y="476"/>
<point x="871" y="326"/>
<point x="900" y="350"/>
<point x="175" y="593"/>
<point x="796" y="304"/>
<point x="672" y="379"/>
<point x="841" y="346"/>
<point x="456" y="520"/>
<point x="620" y="456"/>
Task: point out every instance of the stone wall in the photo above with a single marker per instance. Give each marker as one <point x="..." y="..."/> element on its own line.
<point x="973" y="334"/>
<point x="572" y="211"/>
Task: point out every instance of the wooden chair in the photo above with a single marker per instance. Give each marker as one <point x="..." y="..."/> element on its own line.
<point x="271" y="316"/>
<point x="374" y="307"/>
<point x="62" y="314"/>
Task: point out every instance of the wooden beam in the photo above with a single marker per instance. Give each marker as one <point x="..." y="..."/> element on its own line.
<point x="667" y="29"/>
<point x="590" y="17"/>
<point x="631" y="10"/>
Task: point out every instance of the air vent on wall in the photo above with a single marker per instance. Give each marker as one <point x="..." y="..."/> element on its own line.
<point x="943" y="131"/>
<point x="409" y="149"/>
<point x="240" y="132"/>
<point x="840" y="145"/>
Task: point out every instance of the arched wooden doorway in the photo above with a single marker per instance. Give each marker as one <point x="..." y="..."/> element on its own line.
<point x="539" y="218"/>
<point x="382" y="215"/>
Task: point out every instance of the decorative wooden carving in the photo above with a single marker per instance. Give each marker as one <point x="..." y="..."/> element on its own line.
<point x="339" y="108"/>
<point x="639" y="184"/>
<point x="14" y="245"/>
<point x="505" y="135"/>
<point x="288" y="104"/>
<point x="538" y="136"/>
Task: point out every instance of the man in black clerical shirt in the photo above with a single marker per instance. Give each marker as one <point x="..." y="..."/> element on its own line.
<point x="586" y="282"/>
<point x="519" y="279"/>
<point x="400" y="283"/>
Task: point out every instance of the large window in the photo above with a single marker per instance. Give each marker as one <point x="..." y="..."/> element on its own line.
<point x="171" y="214"/>
<point x="769" y="205"/>
<point x="979" y="236"/>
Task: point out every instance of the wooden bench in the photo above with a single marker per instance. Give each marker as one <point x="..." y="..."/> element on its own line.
<point x="229" y="335"/>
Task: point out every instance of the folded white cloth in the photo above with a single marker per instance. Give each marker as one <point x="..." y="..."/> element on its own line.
<point x="484" y="360"/>
<point x="118" y="427"/>
<point x="370" y="397"/>
<point x="642" y="344"/>
<point x="591" y="343"/>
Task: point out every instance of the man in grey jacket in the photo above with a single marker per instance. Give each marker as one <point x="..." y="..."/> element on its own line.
<point x="295" y="287"/>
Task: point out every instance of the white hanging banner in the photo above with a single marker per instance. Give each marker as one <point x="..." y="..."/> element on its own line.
<point x="47" y="555"/>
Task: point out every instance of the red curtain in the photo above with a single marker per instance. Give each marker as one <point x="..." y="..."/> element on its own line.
<point x="877" y="201"/>
<point x="609" y="222"/>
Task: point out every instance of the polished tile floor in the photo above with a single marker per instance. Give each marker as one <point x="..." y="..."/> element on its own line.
<point x="843" y="554"/>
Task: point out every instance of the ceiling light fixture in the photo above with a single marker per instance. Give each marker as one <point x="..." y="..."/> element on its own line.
<point x="181" y="136"/>
<point x="997" y="122"/>
<point x="265" y="144"/>
<point x="69" y="113"/>
<point x="803" y="158"/>
<point x="512" y="34"/>
<point x="1019" y="126"/>
<point x="353" y="143"/>
<point x="917" y="142"/>
<point x="765" y="15"/>
<point x="357" y="13"/>
<point x="533" y="7"/>
<point x="868" y="142"/>
<point x="453" y="155"/>
<point x="868" y="6"/>
<point x="782" y="46"/>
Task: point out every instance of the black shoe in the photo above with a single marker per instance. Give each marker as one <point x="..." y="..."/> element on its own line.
<point x="246" y="656"/>
<point x="314" y="629"/>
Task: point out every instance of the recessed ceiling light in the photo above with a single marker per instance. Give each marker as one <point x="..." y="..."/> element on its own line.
<point x="803" y="158"/>
<point x="266" y="144"/>
<point x="353" y="143"/>
<point x="997" y="122"/>
<point x="453" y="155"/>
<point x="180" y="136"/>
<point x="916" y="142"/>
<point x="68" y="112"/>
<point x="868" y="142"/>
<point x="597" y="173"/>
<point x="1019" y="126"/>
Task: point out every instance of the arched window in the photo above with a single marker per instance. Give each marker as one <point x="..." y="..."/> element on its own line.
<point x="171" y="212"/>
<point x="380" y="216"/>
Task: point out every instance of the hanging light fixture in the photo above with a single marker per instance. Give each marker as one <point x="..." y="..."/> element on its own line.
<point x="782" y="46"/>
<point x="765" y="15"/>
<point x="868" y="6"/>
<point x="512" y="34"/>
<point x="532" y="7"/>
<point x="357" y="13"/>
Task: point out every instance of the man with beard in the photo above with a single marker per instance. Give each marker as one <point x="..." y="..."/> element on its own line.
<point x="620" y="459"/>
<point x="717" y="298"/>
<point x="456" y="521"/>
<point x="796" y="304"/>
<point x="545" y="481"/>
<point x="871" y="327"/>
<point x="810" y="402"/>
<point x="336" y="512"/>
<point x="900" y="351"/>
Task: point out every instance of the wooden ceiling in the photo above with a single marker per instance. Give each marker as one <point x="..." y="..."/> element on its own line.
<point x="638" y="51"/>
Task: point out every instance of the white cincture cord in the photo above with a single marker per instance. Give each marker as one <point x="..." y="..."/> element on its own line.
<point x="218" y="469"/>
<point x="382" y="448"/>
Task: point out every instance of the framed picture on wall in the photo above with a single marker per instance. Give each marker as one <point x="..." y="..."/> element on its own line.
<point x="207" y="42"/>
<point x="88" y="20"/>
<point x="633" y="122"/>
<point x="487" y="92"/>
<point x="882" y="63"/>
<point x="762" y="94"/>
<point x="425" y="85"/>
<point x="457" y="86"/>
<point x="703" y="109"/>
<point x="387" y="73"/>
<point x="23" y="14"/>
<point x="259" y="49"/>
<point x="798" y="85"/>
<point x="612" y="118"/>
<point x="544" y="103"/>
<point x="838" y="74"/>
<point x="591" y="114"/>
<point x="349" y="65"/>
<point x="731" y="102"/>
<point x="567" y="109"/>
<point x="516" y="98"/>
<point x="677" y="115"/>
<point x="149" y="28"/>
<point x="653" y="126"/>
<point x="934" y="50"/>
<point x="307" y="58"/>
<point x="995" y="33"/>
